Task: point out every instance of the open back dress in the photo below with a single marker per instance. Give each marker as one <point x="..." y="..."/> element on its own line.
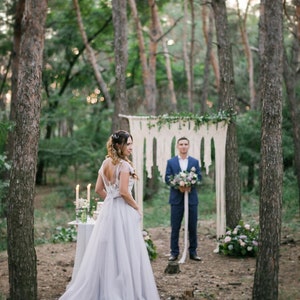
<point x="116" y="265"/>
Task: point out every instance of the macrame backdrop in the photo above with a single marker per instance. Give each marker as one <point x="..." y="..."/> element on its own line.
<point x="149" y="136"/>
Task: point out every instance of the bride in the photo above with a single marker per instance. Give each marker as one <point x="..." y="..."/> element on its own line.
<point x="116" y="264"/>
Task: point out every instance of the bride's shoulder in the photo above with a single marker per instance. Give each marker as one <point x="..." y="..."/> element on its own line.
<point x="125" y="166"/>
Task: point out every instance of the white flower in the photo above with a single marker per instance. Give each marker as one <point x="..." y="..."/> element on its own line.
<point x="247" y="226"/>
<point x="227" y="239"/>
<point x="249" y="248"/>
<point x="242" y="243"/>
<point x="230" y="247"/>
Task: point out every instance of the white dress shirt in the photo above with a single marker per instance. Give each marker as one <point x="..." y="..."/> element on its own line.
<point x="183" y="163"/>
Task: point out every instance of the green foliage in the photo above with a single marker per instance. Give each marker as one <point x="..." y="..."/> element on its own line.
<point x="151" y="248"/>
<point x="290" y="204"/>
<point x="157" y="210"/>
<point x="240" y="242"/>
<point x="183" y="117"/>
<point x="4" y="184"/>
<point x="65" y="235"/>
<point x="248" y="135"/>
<point x="3" y="241"/>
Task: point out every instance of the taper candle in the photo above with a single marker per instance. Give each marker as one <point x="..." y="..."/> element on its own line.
<point x="77" y="195"/>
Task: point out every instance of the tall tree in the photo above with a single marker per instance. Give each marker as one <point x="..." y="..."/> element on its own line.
<point x="20" y="219"/>
<point x="91" y="56"/>
<point x="207" y="31"/>
<point x="120" y="49"/>
<point x="188" y="51"/>
<point x="168" y="69"/>
<point x="271" y="165"/>
<point x="291" y="79"/>
<point x="242" y="20"/>
<point x="209" y="57"/>
<point x="148" y="64"/>
<point x="227" y="101"/>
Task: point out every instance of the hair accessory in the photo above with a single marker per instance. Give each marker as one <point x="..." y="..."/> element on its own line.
<point x="115" y="136"/>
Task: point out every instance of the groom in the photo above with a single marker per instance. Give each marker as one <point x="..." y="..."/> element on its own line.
<point x="183" y="162"/>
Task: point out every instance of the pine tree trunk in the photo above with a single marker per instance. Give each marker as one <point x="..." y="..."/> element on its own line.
<point x="208" y="34"/>
<point x="20" y="219"/>
<point x="248" y="53"/>
<point x="121" y="59"/>
<point x="227" y="101"/>
<point x="291" y="79"/>
<point x="271" y="165"/>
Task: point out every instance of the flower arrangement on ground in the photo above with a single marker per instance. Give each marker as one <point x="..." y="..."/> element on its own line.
<point x="184" y="179"/>
<point x="240" y="242"/>
<point x="150" y="245"/>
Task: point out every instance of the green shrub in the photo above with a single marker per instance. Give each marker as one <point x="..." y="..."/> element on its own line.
<point x="65" y="235"/>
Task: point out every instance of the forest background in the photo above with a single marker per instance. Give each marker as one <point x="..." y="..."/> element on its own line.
<point x="172" y="67"/>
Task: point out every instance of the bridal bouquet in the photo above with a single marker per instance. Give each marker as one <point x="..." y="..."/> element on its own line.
<point x="184" y="180"/>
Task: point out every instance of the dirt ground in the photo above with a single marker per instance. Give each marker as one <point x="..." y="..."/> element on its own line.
<point x="215" y="277"/>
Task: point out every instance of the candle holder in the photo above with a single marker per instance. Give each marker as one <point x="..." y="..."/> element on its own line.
<point x="82" y="210"/>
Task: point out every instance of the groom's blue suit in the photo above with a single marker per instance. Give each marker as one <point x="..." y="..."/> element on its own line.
<point x="176" y="201"/>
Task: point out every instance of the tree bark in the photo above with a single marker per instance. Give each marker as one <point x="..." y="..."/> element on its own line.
<point x="20" y="219"/>
<point x="151" y="90"/>
<point x="291" y="79"/>
<point x="247" y="49"/>
<point x="142" y="50"/>
<point x="208" y="34"/>
<point x="227" y="101"/>
<point x="121" y="58"/>
<point x="271" y="165"/>
<point x="187" y="58"/>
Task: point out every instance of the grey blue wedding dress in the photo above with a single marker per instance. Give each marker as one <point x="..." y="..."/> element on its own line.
<point x="116" y="264"/>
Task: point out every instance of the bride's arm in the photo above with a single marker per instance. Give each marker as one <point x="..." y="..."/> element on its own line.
<point x="124" y="192"/>
<point x="100" y="188"/>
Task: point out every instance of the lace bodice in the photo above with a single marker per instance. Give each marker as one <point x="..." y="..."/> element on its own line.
<point x="110" y="174"/>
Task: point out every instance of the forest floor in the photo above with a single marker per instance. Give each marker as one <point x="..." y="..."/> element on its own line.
<point x="215" y="277"/>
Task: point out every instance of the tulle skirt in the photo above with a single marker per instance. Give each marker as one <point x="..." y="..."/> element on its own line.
<point x="115" y="265"/>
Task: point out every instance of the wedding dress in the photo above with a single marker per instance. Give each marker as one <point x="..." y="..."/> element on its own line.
<point x="116" y="264"/>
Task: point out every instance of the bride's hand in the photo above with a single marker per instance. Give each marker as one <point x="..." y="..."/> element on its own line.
<point x="139" y="211"/>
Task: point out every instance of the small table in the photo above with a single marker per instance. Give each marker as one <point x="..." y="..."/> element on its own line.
<point x="84" y="231"/>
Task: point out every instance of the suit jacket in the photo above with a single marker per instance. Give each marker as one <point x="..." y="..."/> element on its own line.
<point x="176" y="197"/>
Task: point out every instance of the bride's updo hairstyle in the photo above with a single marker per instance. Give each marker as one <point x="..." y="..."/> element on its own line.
<point x="115" y="145"/>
